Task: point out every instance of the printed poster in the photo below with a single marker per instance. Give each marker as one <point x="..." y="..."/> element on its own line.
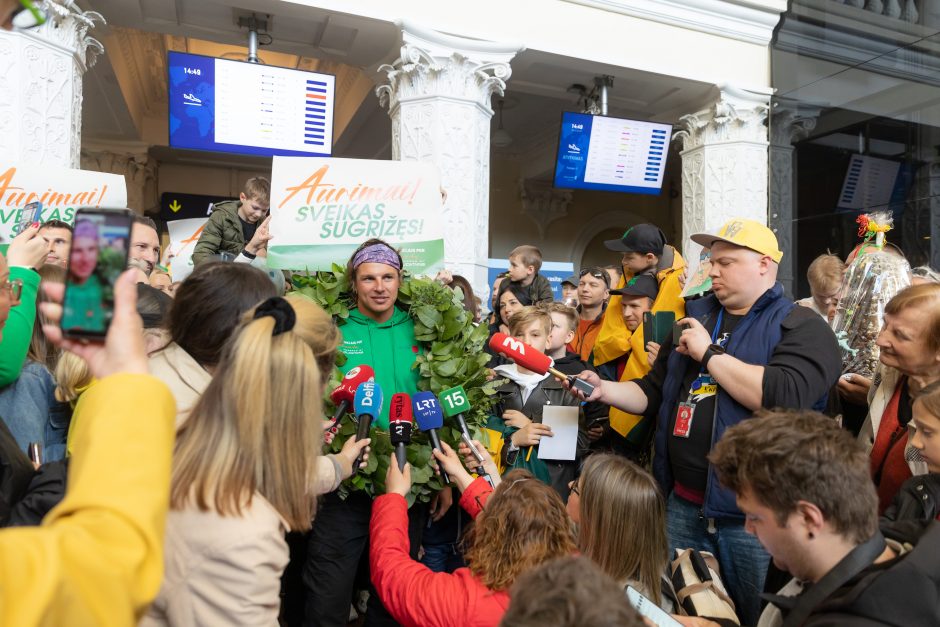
<point x="323" y="208"/>
<point x="60" y="190"/>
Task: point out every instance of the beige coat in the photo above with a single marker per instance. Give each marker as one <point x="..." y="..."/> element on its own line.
<point x="184" y="376"/>
<point x="226" y="570"/>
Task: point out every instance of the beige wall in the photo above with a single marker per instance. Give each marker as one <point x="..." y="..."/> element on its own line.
<point x="591" y="216"/>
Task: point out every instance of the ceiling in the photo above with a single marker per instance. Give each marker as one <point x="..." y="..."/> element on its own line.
<point x="125" y="93"/>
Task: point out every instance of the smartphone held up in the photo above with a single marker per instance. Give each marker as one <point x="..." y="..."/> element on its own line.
<point x="30" y="214"/>
<point x="98" y="256"/>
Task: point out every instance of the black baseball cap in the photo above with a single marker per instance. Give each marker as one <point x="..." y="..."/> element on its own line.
<point x="642" y="238"/>
<point x="573" y="280"/>
<point x="640" y="285"/>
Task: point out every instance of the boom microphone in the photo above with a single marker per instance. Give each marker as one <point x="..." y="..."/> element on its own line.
<point x="430" y="418"/>
<point x="536" y="361"/>
<point x="367" y="404"/>
<point x="399" y="426"/>
<point x="344" y="394"/>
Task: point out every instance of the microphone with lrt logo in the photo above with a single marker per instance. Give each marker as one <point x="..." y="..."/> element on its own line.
<point x="399" y="426"/>
<point x="536" y="361"/>
<point x="430" y="418"/>
<point x="367" y="404"/>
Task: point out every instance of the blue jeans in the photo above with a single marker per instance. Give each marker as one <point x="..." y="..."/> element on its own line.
<point x="442" y="558"/>
<point x="741" y="558"/>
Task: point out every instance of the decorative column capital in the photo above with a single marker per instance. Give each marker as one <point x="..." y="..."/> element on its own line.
<point x="737" y="115"/>
<point x="543" y="203"/>
<point x="791" y="123"/>
<point x="433" y="64"/>
<point x="68" y="27"/>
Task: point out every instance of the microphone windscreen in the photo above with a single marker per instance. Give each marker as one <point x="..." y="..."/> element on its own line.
<point x="521" y="353"/>
<point x="368" y="399"/>
<point x="399" y="431"/>
<point x="346" y="390"/>
<point x="454" y="401"/>
<point x="427" y="411"/>
<point x="399" y="408"/>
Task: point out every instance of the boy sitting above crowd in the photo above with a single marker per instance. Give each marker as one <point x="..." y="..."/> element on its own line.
<point x="524" y="264"/>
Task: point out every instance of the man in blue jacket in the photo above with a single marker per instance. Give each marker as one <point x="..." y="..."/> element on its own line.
<point x="741" y="348"/>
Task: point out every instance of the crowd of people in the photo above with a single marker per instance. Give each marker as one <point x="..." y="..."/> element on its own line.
<point x="725" y="468"/>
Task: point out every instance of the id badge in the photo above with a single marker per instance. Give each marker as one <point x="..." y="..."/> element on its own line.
<point x="684" y="415"/>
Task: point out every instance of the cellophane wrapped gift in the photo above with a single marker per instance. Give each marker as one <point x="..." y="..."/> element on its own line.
<point x="871" y="280"/>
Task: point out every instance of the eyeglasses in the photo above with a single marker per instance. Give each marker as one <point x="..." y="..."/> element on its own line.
<point x="575" y="489"/>
<point x="15" y="289"/>
<point x="597" y="274"/>
<point x="29" y="15"/>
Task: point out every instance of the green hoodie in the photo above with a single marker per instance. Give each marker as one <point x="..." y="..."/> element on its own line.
<point x="389" y="348"/>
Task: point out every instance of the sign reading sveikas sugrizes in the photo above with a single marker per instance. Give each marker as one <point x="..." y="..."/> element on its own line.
<point x="323" y="209"/>
<point x="60" y="190"/>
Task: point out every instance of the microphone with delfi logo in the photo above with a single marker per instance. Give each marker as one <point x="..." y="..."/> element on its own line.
<point x="345" y="392"/>
<point x="367" y="404"/>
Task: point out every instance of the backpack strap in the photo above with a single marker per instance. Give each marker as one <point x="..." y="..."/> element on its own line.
<point x="860" y="558"/>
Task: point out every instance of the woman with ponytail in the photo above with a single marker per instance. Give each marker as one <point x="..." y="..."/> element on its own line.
<point x="247" y="468"/>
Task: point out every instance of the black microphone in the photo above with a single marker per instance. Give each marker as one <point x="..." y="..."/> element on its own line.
<point x="399" y="426"/>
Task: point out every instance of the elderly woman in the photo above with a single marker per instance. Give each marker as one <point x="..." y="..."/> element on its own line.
<point x="910" y="360"/>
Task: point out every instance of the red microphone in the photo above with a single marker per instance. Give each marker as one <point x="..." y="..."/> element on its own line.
<point x="344" y="394"/>
<point x="399" y="426"/>
<point x="534" y="360"/>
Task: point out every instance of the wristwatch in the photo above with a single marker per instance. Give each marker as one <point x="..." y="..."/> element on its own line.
<point x="710" y="352"/>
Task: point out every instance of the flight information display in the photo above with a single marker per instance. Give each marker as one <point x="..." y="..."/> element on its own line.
<point x="249" y="108"/>
<point x="611" y="154"/>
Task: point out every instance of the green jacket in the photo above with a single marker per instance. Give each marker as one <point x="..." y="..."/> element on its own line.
<point x="389" y="348"/>
<point x="222" y="233"/>
<point x="18" y="330"/>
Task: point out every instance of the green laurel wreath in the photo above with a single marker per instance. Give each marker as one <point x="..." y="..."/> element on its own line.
<point x="452" y="354"/>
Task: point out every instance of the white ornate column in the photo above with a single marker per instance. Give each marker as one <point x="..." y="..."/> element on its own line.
<point x="438" y="96"/>
<point x="41" y="74"/>
<point x="788" y="123"/>
<point x="724" y="164"/>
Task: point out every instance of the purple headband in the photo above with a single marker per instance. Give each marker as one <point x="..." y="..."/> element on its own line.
<point x="377" y="253"/>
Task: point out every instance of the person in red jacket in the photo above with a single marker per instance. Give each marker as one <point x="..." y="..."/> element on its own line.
<point x="523" y="524"/>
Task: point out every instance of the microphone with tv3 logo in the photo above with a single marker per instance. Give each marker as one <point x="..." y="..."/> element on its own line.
<point x="430" y="418"/>
<point x="399" y="426"/>
<point x="367" y="405"/>
<point x="536" y="361"/>
<point x="345" y="392"/>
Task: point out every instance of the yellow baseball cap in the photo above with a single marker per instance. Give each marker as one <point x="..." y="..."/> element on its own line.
<point x="745" y="233"/>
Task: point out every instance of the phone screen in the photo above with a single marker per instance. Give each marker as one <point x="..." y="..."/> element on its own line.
<point x="650" y="610"/>
<point x="32" y="212"/>
<point x="98" y="256"/>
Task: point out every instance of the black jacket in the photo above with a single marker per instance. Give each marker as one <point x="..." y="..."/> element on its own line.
<point x="858" y="593"/>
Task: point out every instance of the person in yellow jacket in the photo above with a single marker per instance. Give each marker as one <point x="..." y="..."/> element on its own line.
<point x="97" y="558"/>
<point x="644" y="251"/>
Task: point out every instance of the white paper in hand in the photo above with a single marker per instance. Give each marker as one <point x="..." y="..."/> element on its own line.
<point x="563" y="445"/>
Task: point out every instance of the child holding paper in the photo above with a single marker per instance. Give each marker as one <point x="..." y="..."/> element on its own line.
<point x="529" y="397"/>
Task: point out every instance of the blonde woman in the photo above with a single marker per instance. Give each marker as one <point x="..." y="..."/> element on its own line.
<point x="621" y="516"/>
<point x="246" y="469"/>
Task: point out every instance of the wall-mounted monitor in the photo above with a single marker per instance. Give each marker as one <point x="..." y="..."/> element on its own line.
<point x="611" y="154"/>
<point x="249" y="108"/>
